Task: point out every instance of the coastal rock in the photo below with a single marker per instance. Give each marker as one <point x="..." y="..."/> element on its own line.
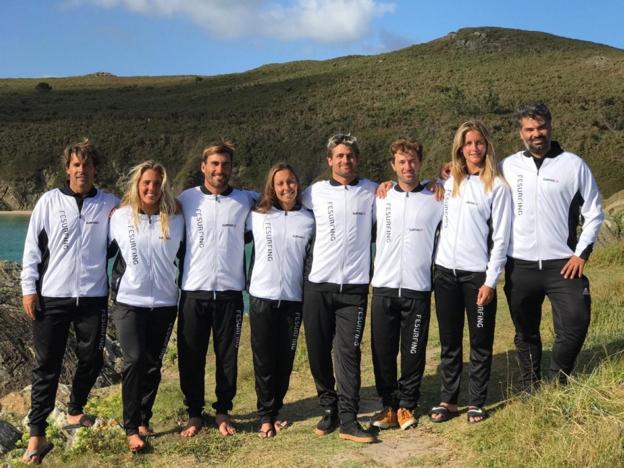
<point x="9" y="436"/>
<point x="16" y="349"/>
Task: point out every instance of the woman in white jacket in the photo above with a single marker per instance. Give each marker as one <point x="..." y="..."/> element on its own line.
<point x="148" y="230"/>
<point x="470" y="256"/>
<point x="282" y="230"/>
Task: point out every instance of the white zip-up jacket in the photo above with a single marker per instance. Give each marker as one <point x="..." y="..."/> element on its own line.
<point x="65" y="253"/>
<point x="344" y="216"/>
<point x="547" y="204"/>
<point x="145" y="270"/>
<point x="475" y="228"/>
<point x="407" y="223"/>
<point x="215" y="239"/>
<point x="281" y="239"/>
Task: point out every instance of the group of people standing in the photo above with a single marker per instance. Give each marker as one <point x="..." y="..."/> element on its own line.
<point x="311" y="263"/>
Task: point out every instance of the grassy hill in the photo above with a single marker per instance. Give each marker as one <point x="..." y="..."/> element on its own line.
<point x="287" y="111"/>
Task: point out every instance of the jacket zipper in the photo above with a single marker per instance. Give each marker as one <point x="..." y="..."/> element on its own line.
<point x="403" y="232"/>
<point x="344" y="240"/>
<point x="459" y="220"/>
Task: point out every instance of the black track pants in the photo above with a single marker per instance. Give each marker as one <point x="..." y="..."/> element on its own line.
<point x="143" y="334"/>
<point x="199" y="314"/>
<point x="335" y="321"/>
<point x="525" y="287"/>
<point x="50" y="333"/>
<point x="274" y="332"/>
<point x="454" y="293"/>
<point x="401" y="320"/>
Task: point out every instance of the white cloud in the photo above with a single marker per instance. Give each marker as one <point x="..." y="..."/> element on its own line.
<point x="327" y="21"/>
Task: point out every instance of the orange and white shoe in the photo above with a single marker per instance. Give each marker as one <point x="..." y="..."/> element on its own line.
<point x="386" y="418"/>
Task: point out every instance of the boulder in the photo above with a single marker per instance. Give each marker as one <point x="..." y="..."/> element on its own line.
<point x="9" y="436"/>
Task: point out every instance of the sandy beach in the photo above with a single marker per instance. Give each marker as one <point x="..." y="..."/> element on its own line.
<point x="15" y="213"/>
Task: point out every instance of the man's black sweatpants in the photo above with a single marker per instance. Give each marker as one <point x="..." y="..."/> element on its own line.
<point x="51" y="326"/>
<point x="526" y="285"/>
<point x="335" y="320"/>
<point x="274" y="331"/>
<point x="200" y="313"/>
<point x="143" y="334"/>
<point x="455" y="292"/>
<point x="399" y="323"/>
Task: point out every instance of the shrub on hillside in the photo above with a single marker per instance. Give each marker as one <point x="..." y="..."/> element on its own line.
<point x="43" y="87"/>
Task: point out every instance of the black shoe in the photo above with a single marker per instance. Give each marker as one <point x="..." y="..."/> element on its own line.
<point x="354" y="432"/>
<point x="327" y="424"/>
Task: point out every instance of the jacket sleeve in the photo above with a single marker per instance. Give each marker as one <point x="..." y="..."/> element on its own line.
<point x="306" y="198"/>
<point x="591" y="210"/>
<point x="33" y="255"/>
<point x="501" y="230"/>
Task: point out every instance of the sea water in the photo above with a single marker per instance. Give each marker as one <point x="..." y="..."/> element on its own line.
<point x="12" y="234"/>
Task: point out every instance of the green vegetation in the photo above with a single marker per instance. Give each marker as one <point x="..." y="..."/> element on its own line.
<point x="287" y="111"/>
<point x="581" y="424"/>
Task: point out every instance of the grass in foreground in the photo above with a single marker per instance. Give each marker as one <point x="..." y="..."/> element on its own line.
<point x="581" y="424"/>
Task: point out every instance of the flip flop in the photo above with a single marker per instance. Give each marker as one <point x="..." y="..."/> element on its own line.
<point x="40" y="453"/>
<point x="477" y="413"/>
<point x="280" y="425"/>
<point x="266" y="434"/>
<point x="86" y="420"/>
<point x="446" y="414"/>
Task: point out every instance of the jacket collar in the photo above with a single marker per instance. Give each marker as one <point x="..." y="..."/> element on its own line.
<point x="225" y="193"/>
<point x="68" y="191"/>
<point x="277" y="206"/>
<point x="418" y="188"/>
<point x="335" y="183"/>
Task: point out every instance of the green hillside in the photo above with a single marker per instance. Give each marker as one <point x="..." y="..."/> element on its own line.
<point x="287" y="111"/>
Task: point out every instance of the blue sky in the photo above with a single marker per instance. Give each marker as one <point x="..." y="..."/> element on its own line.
<point x="206" y="37"/>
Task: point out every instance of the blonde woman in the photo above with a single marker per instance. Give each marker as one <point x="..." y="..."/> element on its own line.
<point x="148" y="230"/>
<point x="282" y="230"/>
<point x="470" y="256"/>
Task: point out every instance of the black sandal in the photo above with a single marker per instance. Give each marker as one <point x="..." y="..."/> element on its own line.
<point x="40" y="453"/>
<point x="475" y="412"/>
<point x="269" y="433"/>
<point x="446" y="414"/>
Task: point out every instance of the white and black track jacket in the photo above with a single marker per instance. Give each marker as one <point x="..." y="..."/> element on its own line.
<point x="215" y="239"/>
<point x="547" y="203"/>
<point x="476" y="226"/>
<point x="344" y="216"/>
<point x="281" y="240"/>
<point x="407" y="223"/>
<point x="65" y="252"/>
<point x="145" y="270"/>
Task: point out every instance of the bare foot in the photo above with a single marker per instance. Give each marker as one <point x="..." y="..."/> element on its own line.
<point x="145" y="431"/>
<point x="82" y="419"/>
<point x="224" y="424"/>
<point x="451" y="407"/>
<point x="135" y="443"/>
<point x="193" y="427"/>
<point x="280" y="425"/>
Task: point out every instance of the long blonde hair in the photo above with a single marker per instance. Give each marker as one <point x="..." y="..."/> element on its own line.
<point x="167" y="205"/>
<point x="458" y="162"/>
<point x="268" y="198"/>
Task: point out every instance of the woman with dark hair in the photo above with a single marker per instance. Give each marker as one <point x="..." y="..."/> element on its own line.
<point x="148" y="230"/>
<point x="282" y="231"/>
<point x="470" y="256"/>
